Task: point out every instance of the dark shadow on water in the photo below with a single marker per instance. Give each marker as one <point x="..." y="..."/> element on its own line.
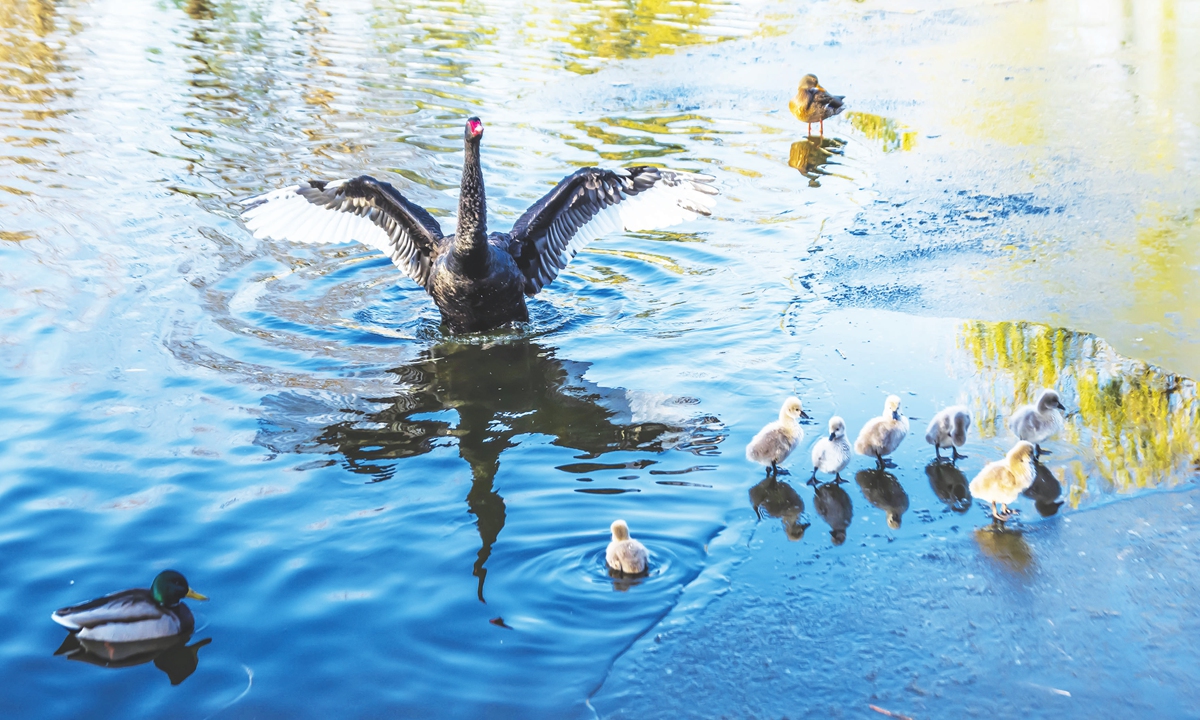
<point x="780" y="500"/>
<point x="833" y="505"/>
<point x="482" y="398"/>
<point x="883" y="490"/>
<point x="172" y="654"/>
<point x="812" y="154"/>
<point x="1045" y="491"/>
<point x="950" y="485"/>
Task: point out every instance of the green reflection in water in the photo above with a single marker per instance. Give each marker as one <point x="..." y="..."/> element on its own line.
<point x="891" y="135"/>
<point x="1137" y="425"/>
<point x="637" y="28"/>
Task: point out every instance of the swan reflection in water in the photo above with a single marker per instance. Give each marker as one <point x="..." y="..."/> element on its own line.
<point x="883" y="490"/>
<point x="171" y="654"/>
<point x="1045" y="491"/>
<point x="500" y="393"/>
<point x="1006" y="546"/>
<point x="834" y="507"/>
<point x="811" y="155"/>
<point x="950" y="485"/>
<point x="780" y="500"/>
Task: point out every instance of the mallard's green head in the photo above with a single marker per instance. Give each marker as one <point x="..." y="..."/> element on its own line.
<point x="170" y="587"/>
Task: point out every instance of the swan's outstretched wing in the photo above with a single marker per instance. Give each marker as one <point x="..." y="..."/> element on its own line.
<point x="592" y="202"/>
<point x="364" y="209"/>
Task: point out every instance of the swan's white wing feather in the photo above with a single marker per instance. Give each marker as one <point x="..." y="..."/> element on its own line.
<point x="592" y="202"/>
<point x="361" y="209"/>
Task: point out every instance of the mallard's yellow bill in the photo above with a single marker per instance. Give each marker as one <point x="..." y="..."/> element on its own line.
<point x="195" y="595"/>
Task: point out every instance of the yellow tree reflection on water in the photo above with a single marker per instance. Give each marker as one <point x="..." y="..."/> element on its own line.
<point x="1137" y="425"/>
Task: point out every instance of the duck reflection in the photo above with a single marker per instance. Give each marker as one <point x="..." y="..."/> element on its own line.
<point x="950" y="485"/>
<point x="811" y="155"/>
<point x="883" y="490"/>
<point x="1007" y="546"/>
<point x="1045" y="491"/>
<point x="833" y="505"/>
<point x="780" y="500"/>
<point x="172" y="654"/>
<point x="483" y="397"/>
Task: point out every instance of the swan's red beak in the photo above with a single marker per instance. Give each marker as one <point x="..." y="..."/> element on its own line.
<point x="475" y="127"/>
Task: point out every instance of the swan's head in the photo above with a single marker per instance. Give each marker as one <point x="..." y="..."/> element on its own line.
<point x="962" y="421"/>
<point x="1048" y="400"/>
<point x="837" y="428"/>
<point x="474" y="128"/>
<point x="792" y="409"/>
<point x="620" y="531"/>
<point x="1020" y="453"/>
<point x="894" y="520"/>
<point x="809" y="82"/>
<point x="838" y="536"/>
<point x="170" y="587"/>
<point x="891" y="407"/>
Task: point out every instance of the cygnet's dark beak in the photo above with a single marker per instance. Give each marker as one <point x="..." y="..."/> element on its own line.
<point x="1062" y="407"/>
<point x="832" y="436"/>
<point x="805" y="415"/>
<point x="895" y="414"/>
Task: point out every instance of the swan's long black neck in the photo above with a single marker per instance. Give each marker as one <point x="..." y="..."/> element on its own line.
<point x="470" y="238"/>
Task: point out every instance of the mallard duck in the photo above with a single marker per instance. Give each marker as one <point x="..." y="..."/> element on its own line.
<point x="624" y="554"/>
<point x="949" y="429"/>
<point x="1040" y="421"/>
<point x="778" y="439"/>
<point x="882" y="435"/>
<point x="884" y="491"/>
<point x="813" y="104"/>
<point x="831" y="454"/>
<point x="134" y="615"/>
<point x="834" y="506"/>
<point x="1002" y="481"/>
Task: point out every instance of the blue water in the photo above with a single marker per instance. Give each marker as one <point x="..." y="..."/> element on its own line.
<point x="391" y="521"/>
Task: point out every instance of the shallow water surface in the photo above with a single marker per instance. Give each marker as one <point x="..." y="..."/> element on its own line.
<point x="393" y="521"/>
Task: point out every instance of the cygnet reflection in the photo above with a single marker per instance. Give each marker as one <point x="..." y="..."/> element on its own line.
<point x="833" y="505"/>
<point x="1006" y="546"/>
<point x="1045" y="491"/>
<point x="172" y="655"/>
<point x="779" y="500"/>
<point x="950" y="485"/>
<point x="883" y="490"/>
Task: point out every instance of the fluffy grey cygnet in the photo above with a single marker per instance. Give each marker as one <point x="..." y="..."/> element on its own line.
<point x="831" y="454"/>
<point x="882" y="435"/>
<point x="1040" y="421"/>
<point x="1002" y="481"/>
<point x="625" y="554"/>
<point x="948" y="429"/>
<point x="778" y="439"/>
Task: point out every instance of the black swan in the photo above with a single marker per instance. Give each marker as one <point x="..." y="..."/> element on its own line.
<point x="479" y="281"/>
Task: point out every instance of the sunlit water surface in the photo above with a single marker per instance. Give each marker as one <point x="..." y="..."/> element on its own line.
<point x="394" y="522"/>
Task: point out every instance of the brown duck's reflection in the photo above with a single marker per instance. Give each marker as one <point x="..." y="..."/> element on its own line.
<point x="171" y="654"/>
<point x="811" y="155"/>
<point x="1007" y="546"/>
<point x="950" y="485"/>
<point x="1045" y="491"/>
<point x="834" y="507"/>
<point x="481" y="398"/>
<point x="779" y="500"/>
<point x="883" y="490"/>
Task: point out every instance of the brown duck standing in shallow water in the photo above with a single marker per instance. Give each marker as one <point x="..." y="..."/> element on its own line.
<point x="813" y="104"/>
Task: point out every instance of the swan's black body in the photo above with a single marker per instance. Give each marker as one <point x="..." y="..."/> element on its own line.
<point x="480" y="281"/>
